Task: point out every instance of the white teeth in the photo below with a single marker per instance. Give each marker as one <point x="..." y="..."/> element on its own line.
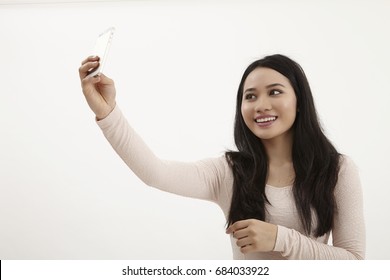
<point x="265" y="119"/>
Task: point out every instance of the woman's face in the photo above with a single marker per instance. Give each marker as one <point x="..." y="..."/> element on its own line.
<point x="269" y="104"/>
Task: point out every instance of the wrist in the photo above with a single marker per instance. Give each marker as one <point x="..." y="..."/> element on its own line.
<point x="103" y="115"/>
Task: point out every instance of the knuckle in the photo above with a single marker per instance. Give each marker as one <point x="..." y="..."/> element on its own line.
<point x="244" y="250"/>
<point x="84" y="82"/>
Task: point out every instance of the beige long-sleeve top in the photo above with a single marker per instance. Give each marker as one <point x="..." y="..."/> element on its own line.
<point x="212" y="179"/>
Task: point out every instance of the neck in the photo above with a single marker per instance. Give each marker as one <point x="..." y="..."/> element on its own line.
<point x="279" y="149"/>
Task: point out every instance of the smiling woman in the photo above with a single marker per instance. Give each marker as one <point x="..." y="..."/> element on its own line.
<point x="284" y="190"/>
<point x="177" y="66"/>
<point x="287" y="172"/>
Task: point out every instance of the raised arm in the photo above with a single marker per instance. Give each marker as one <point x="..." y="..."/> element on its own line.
<point x="202" y="179"/>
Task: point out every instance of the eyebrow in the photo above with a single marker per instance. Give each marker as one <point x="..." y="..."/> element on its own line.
<point x="249" y="89"/>
<point x="268" y="86"/>
<point x="273" y="85"/>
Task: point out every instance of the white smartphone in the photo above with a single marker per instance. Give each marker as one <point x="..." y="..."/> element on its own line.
<point x="101" y="49"/>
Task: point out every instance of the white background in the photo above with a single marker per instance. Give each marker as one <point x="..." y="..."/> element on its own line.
<point x="65" y="194"/>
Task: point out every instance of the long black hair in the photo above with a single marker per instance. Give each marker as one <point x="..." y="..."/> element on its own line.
<point x="315" y="159"/>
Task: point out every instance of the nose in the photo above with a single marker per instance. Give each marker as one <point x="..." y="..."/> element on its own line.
<point x="263" y="104"/>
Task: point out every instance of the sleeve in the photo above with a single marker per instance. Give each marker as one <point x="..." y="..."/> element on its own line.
<point x="202" y="179"/>
<point x="348" y="232"/>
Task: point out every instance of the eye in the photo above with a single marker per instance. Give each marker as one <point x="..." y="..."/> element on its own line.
<point x="249" y="96"/>
<point x="275" y="92"/>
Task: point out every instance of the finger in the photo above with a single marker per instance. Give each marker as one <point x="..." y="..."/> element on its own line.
<point x="241" y="233"/>
<point x="86" y="68"/>
<point x="105" y="81"/>
<point x="237" y="226"/>
<point x="88" y="83"/>
<point x="247" y="249"/>
<point x="243" y="242"/>
<point x="90" y="58"/>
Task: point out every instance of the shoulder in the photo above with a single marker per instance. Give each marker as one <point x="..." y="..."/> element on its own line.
<point x="219" y="164"/>
<point x="347" y="166"/>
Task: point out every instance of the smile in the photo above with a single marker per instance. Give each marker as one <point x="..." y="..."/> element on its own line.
<point x="265" y="120"/>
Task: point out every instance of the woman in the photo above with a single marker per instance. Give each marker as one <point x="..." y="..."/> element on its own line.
<point x="283" y="192"/>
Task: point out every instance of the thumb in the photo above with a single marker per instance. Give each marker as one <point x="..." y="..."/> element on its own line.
<point x="104" y="80"/>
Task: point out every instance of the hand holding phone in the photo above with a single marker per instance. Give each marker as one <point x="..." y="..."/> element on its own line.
<point x="101" y="50"/>
<point x="99" y="90"/>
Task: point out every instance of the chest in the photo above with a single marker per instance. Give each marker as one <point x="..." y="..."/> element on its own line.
<point x="282" y="209"/>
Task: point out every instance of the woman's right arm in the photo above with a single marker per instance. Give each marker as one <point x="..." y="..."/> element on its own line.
<point x="202" y="179"/>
